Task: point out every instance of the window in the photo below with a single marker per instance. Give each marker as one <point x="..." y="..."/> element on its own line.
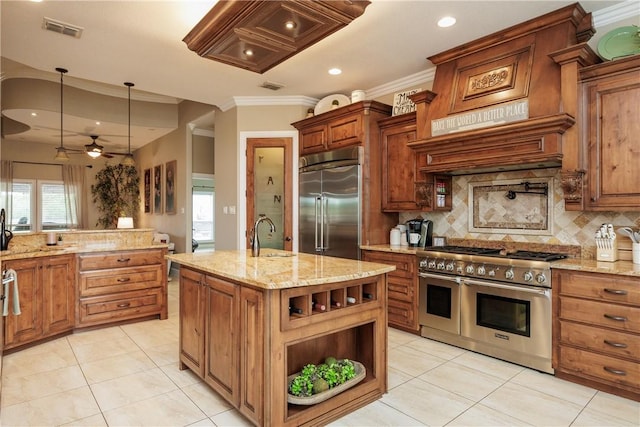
<point x="39" y="206"/>
<point x="203" y="208"/>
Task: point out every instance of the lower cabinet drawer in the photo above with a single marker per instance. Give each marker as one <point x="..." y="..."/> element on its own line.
<point x="121" y="306"/>
<point x="119" y="259"/>
<point x="401" y="314"/>
<point x="621" y="317"/>
<point x="401" y="289"/>
<point x="600" y="368"/>
<point x="101" y="282"/>
<point x="601" y="340"/>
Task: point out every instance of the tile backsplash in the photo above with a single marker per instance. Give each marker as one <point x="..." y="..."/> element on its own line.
<point x="568" y="228"/>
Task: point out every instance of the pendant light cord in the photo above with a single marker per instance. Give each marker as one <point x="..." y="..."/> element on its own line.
<point x="129" y="85"/>
<point x="62" y="71"/>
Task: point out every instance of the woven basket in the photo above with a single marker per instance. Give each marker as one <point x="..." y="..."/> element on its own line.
<point x="361" y="373"/>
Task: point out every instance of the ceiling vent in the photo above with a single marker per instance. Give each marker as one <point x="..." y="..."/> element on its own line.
<point x="61" y="27"/>
<point x="272" y="85"/>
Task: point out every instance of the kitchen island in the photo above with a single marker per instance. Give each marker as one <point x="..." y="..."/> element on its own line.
<point x="247" y="323"/>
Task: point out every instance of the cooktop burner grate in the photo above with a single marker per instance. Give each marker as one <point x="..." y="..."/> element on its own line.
<point x="535" y="256"/>
<point x="466" y="250"/>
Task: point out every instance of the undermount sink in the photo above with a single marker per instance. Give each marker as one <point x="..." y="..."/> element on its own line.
<point x="278" y="255"/>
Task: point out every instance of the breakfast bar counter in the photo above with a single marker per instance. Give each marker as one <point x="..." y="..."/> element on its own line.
<point x="248" y="323"/>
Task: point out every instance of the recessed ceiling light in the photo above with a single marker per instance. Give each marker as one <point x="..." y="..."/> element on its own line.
<point x="34" y="114"/>
<point x="447" y="21"/>
<point x="248" y="52"/>
<point x="98" y="123"/>
<point x="335" y="71"/>
<point x="290" y="25"/>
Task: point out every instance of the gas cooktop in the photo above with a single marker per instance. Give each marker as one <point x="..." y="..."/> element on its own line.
<point x="497" y="253"/>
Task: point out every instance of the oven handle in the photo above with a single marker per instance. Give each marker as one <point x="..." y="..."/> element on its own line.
<point x="538" y="291"/>
<point x="455" y="279"/>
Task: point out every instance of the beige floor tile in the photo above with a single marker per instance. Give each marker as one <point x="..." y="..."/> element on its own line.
<point x="373" y="415"/>
<point x="170" y="409"/>
<point x="155" y="335"/>
<point x="591" y="418"/>
<point x="397" y="337"/>
<point x="482" y="416"/>
<point x="92" y="421"/>
<point x="489" y="365"/>
<point x="426" y="403"/>
<point x="116" y="366"/>
<point x="206" y="399"/>
<point x="231" y="418"/>
<point x="207" y="422"/>
<point x="619" y="407"/>
<point x="42" y="358"/>
<point x="180" y="378"/>
<point x="549" y="384"/>
<point x="532" y="406"/>
<point x="469" y="383"/>
<point x="163" y="355"/>
<point x="435" y="348"/>
<point x="133" y="388"/>
<point x="96" y="335"/>
<point x="396" y="377"/>
<point x="149" y="326"/>
<point x="412" y="362"/>
<point x="52" y="410"/>
<point x="35" y="386"/>
<point x="91" y="352"/>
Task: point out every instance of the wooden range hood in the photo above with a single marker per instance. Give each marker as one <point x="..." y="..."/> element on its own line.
<point x="257" y="35"/>
<point x="513" y="66"/>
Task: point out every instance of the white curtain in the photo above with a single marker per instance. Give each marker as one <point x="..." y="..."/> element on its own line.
<point x="73" y="178"/>
<point x="6" y="186"/>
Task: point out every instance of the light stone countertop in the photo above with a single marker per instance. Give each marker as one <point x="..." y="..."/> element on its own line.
<point x="622" y="268"/>
<point x="64" y="249"/>
<point x="408" y="250"/>
<point x="275" y="269"/>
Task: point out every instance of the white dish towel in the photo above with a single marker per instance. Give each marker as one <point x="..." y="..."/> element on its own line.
<point x="16" y="294"/>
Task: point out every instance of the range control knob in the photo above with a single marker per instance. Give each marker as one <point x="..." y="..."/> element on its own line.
<point x="509" y="274"/>
<point x="541" y="278"/>
<point x="460" y="269"/>
<point x="451" y="266"/>
<point x="481" y="270"/>
<point x="423" y="263"/>
<point x="492" y="273"/>
<point x="440" y="265"/>
<point x="470" y="269"/>
<point x="528" y="276"/>
<point x="432" y="263"/>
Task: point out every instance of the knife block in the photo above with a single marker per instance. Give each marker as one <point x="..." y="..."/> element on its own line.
<point x="608" y="254"/>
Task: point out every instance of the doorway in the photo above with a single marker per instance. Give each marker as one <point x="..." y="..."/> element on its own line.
<point x="269" y="179"/>
<point x="203" y="212"/>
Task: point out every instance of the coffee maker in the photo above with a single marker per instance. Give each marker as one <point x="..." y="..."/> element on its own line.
<point x="422" y="231"/>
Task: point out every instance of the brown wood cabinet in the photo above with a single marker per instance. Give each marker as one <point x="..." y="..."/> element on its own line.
<point x="47" y="299"/>
<point x="121" y="285"/>
<point x="355" y="124"/>
<point x="402" y="288"/>
<point x="596" y="337"/>
<point x="610" y="129"/>
<point x="244" y="342"/>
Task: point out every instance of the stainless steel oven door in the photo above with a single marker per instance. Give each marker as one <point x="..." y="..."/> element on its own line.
<point x="439" y="306"/>
<point x="507" y="316"/>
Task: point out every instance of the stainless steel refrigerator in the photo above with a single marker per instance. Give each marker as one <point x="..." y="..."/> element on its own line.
<point x="330" y="190"/>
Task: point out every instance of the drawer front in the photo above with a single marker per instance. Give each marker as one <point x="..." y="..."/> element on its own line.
<point x="601" y="340"/>
<point x="122" y="306"/>
<point x="402" y="314"/>
<point x="119" y="259"/>
<point x="601" y="368"/>
<point x="615" y="316"/>
<point x="119" y="280"/>
<point x="401" y="289"/>
<point x="405" y="264"/>
<point x="601" y="287"/>
<point x="346" y="131"/>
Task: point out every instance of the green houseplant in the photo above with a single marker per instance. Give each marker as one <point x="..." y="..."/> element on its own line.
<point x="116" y="193"/>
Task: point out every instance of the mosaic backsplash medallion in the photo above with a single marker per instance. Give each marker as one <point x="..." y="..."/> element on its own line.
<point x="569" y="228"/>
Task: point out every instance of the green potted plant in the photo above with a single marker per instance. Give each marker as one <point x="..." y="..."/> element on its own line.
<point x="116" y="193"/>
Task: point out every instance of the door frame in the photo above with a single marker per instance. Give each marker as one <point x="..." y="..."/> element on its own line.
<point x="242" y="183"/>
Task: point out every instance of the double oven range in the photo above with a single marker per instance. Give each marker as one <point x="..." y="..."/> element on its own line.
<point x="487" y="301"/>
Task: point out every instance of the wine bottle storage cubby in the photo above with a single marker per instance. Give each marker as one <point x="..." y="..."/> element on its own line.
<point x="301" y="305"/>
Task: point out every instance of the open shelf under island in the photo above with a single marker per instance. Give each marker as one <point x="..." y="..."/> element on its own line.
<point x="247" y="323"/>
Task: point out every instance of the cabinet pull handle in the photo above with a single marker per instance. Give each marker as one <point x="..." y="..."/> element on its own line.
<point x="615" y="344"/>
<point x="124" y="259"/>
<point x="614" y="371"/>
<point x="123" y="279"/>
<point x="615" y="291"/>
<point x="429" y="159"/>
<point x="616" y="318"/>
<point x="124" y="305"/>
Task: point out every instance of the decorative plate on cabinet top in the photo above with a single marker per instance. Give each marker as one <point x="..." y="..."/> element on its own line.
<point x="328" y="103"/>
<point x="623" y="41"/>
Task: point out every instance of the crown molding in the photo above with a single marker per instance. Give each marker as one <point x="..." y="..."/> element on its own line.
<point x="616" y="13"/>
<point x="245" y="101"/>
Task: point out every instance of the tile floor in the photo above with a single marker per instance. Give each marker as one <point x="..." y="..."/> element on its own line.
<point x="128" y="375"/>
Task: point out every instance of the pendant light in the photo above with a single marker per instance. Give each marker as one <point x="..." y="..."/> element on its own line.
<point x="128" y="158"/>
<point x="61" y="153"/>
<point x="94" y="150"/>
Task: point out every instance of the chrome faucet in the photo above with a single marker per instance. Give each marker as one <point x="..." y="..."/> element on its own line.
<point x="253" y="239"/>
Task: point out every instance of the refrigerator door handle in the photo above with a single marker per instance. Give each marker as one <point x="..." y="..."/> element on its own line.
<point x="318" y="202"/>
<point x="325" y="228"/>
